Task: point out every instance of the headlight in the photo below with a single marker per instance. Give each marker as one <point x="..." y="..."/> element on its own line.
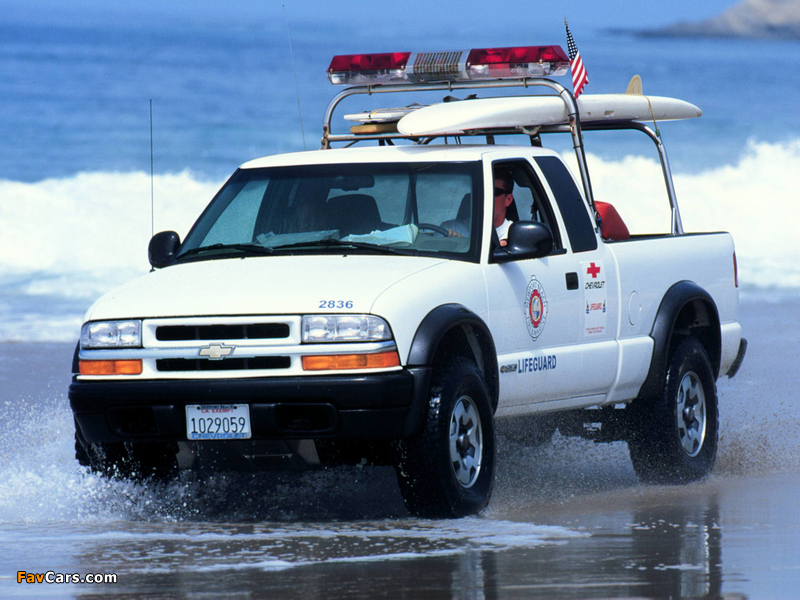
<point x="112" y="334"/>
<point x="345" y="328"/>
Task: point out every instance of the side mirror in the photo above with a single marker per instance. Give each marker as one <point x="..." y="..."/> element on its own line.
<point x="526" y="239"/>
<point x="162" y="249"/>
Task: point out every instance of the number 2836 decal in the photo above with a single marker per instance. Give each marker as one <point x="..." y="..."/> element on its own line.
<point x="335" y="304"/>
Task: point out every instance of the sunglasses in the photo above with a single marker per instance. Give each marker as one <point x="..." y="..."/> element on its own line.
<point x="501" y="192"/>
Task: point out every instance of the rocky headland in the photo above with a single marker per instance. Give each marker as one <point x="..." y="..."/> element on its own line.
<point x="754" y="19"/>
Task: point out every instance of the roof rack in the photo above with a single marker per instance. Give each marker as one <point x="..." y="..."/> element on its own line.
<point x="572" y="124"/>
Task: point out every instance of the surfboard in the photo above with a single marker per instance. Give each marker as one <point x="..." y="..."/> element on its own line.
<point x="635" y="86"/>
<point x="492" y="113"/>
<point x="383" y="115"/>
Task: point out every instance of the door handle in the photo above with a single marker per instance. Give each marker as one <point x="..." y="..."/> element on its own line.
<point x="572" y="281"/>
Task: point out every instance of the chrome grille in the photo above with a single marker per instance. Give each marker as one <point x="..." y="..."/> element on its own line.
<point x="200" y="347"/>
<point x="182" y="365"/>
<point x="245" y="331"/>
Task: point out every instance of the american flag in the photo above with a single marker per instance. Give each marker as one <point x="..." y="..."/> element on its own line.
<point x="579" y="76"/>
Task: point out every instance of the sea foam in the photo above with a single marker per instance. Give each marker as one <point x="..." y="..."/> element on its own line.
<point x="754" y="199"/>
<point x="67" y="241"/>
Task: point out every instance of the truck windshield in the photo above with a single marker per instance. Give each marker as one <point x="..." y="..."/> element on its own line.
<point x="407" y="208"/>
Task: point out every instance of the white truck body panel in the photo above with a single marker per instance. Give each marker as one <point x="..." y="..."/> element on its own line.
<point x="578" y="360"/>
<point x="272" y="285"/>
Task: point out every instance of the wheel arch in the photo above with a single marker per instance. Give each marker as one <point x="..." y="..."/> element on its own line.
<point x="76" y="365"/>
<point x="454" y="330"/>
<point x="686" y="310"/>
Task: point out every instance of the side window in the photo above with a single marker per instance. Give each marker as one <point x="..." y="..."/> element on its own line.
<point x="530" y="201"/>
<point x="579" y="225"/>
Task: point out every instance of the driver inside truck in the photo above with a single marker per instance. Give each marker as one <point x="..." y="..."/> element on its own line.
<point x="503" y="197"/>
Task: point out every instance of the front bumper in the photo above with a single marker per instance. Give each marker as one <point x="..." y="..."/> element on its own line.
<point x="384" y="405"/>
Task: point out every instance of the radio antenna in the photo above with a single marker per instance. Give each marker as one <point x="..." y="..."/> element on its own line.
<point x="296" y="87"/>
<point x="152" y="201"/>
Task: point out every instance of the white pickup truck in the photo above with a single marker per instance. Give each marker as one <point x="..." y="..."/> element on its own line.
<point x="356" y="305"/>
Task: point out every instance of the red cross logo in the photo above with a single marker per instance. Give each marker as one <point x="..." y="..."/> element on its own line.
<point x="593" y="270"/>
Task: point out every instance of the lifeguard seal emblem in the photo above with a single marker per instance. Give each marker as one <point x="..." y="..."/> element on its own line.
<point x="535" y="308"/>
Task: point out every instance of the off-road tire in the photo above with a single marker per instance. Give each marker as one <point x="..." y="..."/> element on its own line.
<point x="674" y="437"/>
<point x="460" y="424"/>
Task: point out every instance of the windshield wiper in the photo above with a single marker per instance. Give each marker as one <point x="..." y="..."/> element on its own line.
<point x="254" y="249"/>
<point x="334" y="243"/>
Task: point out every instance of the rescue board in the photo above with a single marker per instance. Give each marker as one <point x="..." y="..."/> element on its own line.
<point x="383" y="115"/>
<point x="530" y="111"/>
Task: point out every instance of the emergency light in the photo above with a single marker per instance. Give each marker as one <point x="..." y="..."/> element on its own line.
<point x="459" y="65"/>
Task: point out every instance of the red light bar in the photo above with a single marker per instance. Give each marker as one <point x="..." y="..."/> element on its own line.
<point x="387" y="67"/>
<point x="521" y="54"/>
<point x="522" y="61"/>
<point x="459" y="65"/>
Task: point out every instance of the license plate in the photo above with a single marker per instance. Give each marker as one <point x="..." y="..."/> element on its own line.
<point x="218" y="421"/>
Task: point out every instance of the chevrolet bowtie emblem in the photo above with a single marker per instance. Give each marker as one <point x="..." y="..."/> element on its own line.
<point x="216" y="351"/>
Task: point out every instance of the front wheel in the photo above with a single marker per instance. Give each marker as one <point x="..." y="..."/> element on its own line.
<point x="118" y="460"/>
<point x="448" y="470"/>
<point x="675" y="436"/>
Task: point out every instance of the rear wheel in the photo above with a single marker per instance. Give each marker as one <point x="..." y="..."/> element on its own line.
<point x="448" y="470"/>
<point x="675" y="436"/>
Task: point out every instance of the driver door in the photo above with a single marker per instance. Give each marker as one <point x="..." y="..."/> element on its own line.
<point x="534" y="306"/>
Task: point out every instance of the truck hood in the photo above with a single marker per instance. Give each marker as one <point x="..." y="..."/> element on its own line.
<point x="259" y="285"/>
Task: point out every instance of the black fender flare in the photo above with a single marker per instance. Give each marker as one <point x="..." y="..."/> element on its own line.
<point x="75" y="360"/>
<point x="678" y="298"/>
<point x="443" y="320"/>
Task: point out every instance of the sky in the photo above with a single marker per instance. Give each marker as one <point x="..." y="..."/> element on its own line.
<point x="514" y="16"/>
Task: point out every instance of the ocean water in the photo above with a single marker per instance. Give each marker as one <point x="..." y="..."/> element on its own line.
<point x="75" y="209"/>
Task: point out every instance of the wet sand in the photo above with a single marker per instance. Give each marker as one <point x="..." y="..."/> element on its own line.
<point x="567" y="520"/>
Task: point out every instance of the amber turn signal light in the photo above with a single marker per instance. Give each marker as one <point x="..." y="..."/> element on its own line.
<point x="111" y="367"/>
<point x="329" y="362"/>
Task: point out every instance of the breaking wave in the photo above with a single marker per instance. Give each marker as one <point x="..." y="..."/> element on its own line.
<point x="67" y="241"/>
<point x="754" y="199"/>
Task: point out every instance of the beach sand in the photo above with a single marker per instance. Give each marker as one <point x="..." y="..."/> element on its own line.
<point x="568" y="519"/>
